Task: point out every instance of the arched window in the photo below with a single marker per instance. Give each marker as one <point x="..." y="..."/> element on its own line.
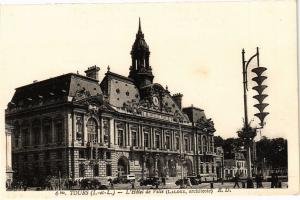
<point x="92" y="130"/>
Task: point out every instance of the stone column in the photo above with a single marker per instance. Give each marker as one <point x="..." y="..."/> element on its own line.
<point x="101" y="131"/>
<point x="41" y="133"/>
<point x="153" y="136"/>
<point x="30" y="132"/>
<point x="155" y="165"/>
<point x="142" y="134"/>
<point x="112" y="132"/>
<point x="85" y="134"/>
<point x="52" y="130"/>
<point x="126" y="134"/>
<point x="129" y="136"/>
<point x="74" y="136"/>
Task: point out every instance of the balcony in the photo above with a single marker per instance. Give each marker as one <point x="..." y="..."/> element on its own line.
<point x="136" y="148"/>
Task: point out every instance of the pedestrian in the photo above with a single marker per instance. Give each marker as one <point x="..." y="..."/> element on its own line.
<point x="236" y="181"/>
<point x="273" y="180"/>
<point x="132" y="184"/>
<point x="188" y="182"/>
<point x="111" y="184"/>
<point x="163" y="180"/>
<point x="276" y="180"/>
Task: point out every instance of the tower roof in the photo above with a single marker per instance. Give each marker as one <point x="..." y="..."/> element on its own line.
<point x="139" y="43"/>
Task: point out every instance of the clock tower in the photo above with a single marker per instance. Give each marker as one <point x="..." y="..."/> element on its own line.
<point x="140" y="70"/>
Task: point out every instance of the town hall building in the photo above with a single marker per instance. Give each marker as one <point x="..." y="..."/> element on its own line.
<point x="74" y="126"/>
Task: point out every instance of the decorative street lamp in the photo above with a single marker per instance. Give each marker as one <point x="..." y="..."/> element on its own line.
<point x="247" y="133"/>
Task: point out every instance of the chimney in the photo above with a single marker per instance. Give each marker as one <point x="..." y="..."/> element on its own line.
<point x="178" y="99"/>
<point x="92" y="72"/>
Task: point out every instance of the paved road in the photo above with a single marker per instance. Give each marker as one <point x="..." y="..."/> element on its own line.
<point x="203" y="185"/>
<point x="172" y="185"/>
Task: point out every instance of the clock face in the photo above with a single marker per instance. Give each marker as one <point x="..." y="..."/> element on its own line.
<point x="155" y="101"/>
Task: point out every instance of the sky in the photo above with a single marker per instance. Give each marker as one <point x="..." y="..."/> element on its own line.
<point x="195" y="50"/>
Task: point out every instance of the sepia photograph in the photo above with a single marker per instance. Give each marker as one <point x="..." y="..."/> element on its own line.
<point x="166" y="98"/>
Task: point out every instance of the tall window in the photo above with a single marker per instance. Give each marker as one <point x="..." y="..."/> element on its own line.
<point x="108" y="170"/>
<point x="201" y="169"/>
<point x="168" y="142"/>
<point x="120" y="137"/>
<point x="106" y="131"/>
<point x="26" y="137"/>
<point x="92" y="130"/>
<point x="157" y="141"/>
<point x="96" y="170"/>
<point x="47" y="132"/>
<point x="199" y="144"/>
<point x="186" y="144"/>
<point x="59" y="131"/>
<point x="36" y="134"/>
<point x="79" y="128"/>
<point x="134" y="138"/>
<point x="146" y="139"/>
<point x="177" y="143"/>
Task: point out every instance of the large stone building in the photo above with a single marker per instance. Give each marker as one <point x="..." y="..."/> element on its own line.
<point x="74" y="126"/>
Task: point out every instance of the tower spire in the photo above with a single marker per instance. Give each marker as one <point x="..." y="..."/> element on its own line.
<point x="140" y="70"/>
<point x="140" y="28"/>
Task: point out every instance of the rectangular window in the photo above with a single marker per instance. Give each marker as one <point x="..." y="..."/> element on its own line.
<point x="177" y="143"/>
<point x="134" y="138"/>
<point x="26" y="137"/>
<point x="120" y="137"/>
<point x="106" y="131"/>
<point x="59" y="132"/>
<point x="81" y="154"/>
<point x="96" y="170"/>
<point x="157" y="141"/>
<point x="79" y="128"/>
<point x="146" y="139"/>
<point x="186" y="144"/>
<point x="108" y="155"/>
<point x="108" y="170"/>
<point x="94" y="152"/>
<point x="168" y="142"/>
<point x="47" y="133"/>
<point x="100" y="154"/>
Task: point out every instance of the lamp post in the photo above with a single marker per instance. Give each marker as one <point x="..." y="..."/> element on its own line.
<point x="247" y="133"/>
<point x="181" y="156"/>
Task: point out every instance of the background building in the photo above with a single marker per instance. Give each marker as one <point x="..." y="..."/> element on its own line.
<point x="236" y="165"/>
<point x="72" y="126"/>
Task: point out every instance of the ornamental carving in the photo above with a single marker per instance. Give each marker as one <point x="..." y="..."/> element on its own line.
<point x="82" y="94"/>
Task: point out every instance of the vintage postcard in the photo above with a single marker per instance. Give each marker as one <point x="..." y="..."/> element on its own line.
<point x="169" y="99"/>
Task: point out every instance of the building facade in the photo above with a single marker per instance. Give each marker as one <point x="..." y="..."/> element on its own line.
<point x="235" y="166"/>
<point x="74" y="126"/>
